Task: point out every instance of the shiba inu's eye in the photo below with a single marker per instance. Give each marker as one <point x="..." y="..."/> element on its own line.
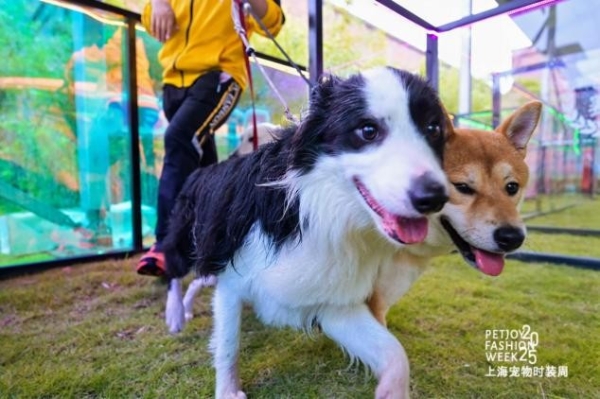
<point x="368" y="132"/>
<point x="512" y="188"/>
<point x="464" y="188"/>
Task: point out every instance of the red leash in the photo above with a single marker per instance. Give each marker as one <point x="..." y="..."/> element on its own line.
<point x="248" y="50"/>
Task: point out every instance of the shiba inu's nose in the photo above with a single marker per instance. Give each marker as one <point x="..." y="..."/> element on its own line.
<point x="509" y="238"/>
<point x="427" y="194"/>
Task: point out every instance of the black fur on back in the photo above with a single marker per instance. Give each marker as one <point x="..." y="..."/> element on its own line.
<point x="219" y="204"/>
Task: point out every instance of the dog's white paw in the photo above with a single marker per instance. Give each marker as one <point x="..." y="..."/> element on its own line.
<point x="236" y="395"/>
<point x="174" y="315"/>
<point x="385" y="393"/>
<point x="188" y="316"/>
<point x="392" y="385"/>
<point x="175" y="322"/>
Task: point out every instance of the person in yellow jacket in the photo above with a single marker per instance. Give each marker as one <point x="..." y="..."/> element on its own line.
<point x="203" y="75"/>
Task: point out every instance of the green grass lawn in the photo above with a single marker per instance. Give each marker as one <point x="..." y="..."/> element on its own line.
<point x="97" y="331"/>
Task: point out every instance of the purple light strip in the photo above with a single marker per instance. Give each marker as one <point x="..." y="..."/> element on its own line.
<point x="524" y="9"/>
<point x="518" y="11"/>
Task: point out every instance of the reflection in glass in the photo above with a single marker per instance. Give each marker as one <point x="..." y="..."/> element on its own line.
<point x="65" y="175"/>
<point x="560" y="68"/>
<point x="66" y="166"/>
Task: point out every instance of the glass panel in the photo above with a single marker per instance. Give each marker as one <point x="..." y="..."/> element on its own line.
<point x="561" y="68"/>
<point x="293" y="38"/>
<point x="548" y="54"/>
<point x="153" y="123"/>
<point x="269" y="108"/>
<point x="63" y="124"/>
<point x="360" y="36"/>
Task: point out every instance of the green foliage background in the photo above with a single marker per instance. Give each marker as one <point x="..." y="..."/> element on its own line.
<point x="36" y="125"/>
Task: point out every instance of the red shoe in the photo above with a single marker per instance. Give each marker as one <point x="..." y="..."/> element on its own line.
<point x="152" y="263"/>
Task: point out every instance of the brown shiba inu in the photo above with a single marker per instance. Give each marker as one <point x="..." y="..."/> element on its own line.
<point x="488" y="174"/>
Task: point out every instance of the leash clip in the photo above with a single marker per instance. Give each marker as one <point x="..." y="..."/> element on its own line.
<point x="246" y="7"/>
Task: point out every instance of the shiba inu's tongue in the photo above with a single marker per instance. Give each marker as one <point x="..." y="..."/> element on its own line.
<point x="406" y="230"/>
<point x="489" y="262"/>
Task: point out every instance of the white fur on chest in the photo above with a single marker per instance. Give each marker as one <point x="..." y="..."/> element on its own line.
<point x="304" y="278"/>
<point x="396" y="277"/>
<point x="335" y="263"/>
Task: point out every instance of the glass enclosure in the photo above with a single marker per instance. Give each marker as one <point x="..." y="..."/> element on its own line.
<point x="66" y="161"/>
<point x="67" y="165"/>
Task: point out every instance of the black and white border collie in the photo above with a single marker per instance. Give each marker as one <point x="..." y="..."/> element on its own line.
<point x="300" y="228"/>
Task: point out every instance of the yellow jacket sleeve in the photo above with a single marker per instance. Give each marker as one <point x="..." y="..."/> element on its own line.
<point x="146" y="17"/>
<point x="206" y="40"/>
<point x="273" y="19"/>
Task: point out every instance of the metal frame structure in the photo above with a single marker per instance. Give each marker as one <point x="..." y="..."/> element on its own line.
<point x="315" y="68"/>
<point x="136" y="195"/>
<point x="432" y="31"/>
<point x="315" y="39"/>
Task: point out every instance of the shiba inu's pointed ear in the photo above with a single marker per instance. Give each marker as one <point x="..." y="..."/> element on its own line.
<point x="520" y="125"/>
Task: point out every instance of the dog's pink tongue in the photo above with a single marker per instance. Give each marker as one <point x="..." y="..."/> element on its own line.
<point x="489" y="262"/>
<point x="408" y="230"/>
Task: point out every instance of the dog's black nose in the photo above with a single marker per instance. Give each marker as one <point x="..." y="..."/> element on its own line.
<point x="427" y="194"/>
<point x="509" y="238"/>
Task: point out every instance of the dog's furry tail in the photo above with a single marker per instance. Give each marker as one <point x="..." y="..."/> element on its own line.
<point x="178" y="244"/>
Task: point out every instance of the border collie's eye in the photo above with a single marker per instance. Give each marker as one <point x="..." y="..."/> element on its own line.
<point x="368" y="132"/>
<point x="512" y="188"/>
<point x="434" y="130"/>
<point x="464" y="188"/>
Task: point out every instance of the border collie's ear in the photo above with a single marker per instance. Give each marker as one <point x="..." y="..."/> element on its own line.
<point x="520" y="125"/>
<point x="309" y="133"/>
<point x="320" y="94"/>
